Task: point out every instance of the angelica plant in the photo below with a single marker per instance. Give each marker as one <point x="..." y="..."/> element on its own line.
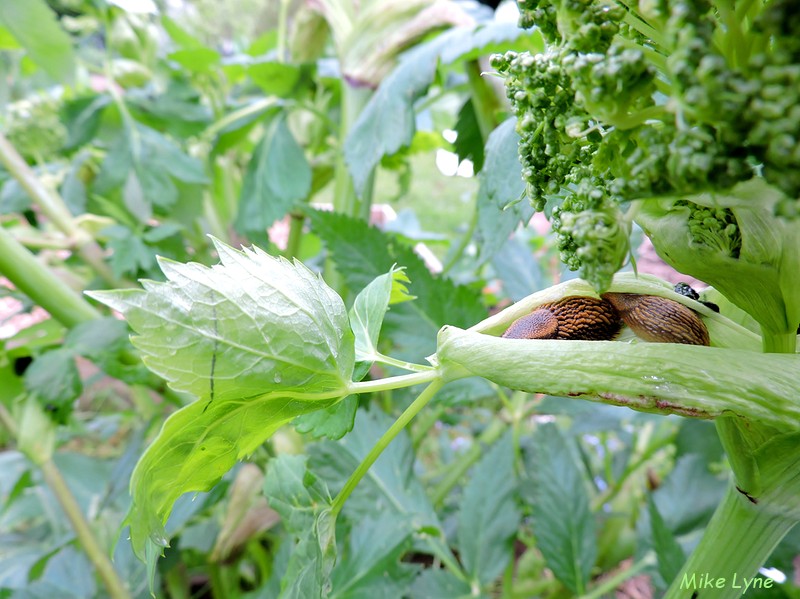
<point x="673" y="116"/>
<point x="680" y="116"/>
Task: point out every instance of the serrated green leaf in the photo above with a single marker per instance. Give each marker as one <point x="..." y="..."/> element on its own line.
<point x="562" y="520"/>
<point x="333" y="422"/>
<point x="304" y="503"/>
<point x="518" y="273"/>
<point x="34" y="25"/>
<point x="96" y="337"/>
<point x="278" y="176"/>
<point x="369" y="309"/>
<point x="245" y="327"/>
<point x="197" y="445"/>
<point x="54" y="378"/>
<point x="489" y="517"/>
<point x="362" y="253"/>
<point x="389" y="484"/>
<point x="295" y="493"/>
<point x="387" y="123"/>
<point x="143" y="162"/>
<point x="669" y="552"/>
<point x="500" y="186"/>
<point x="440" y="584"/>
<point x="259" y="339"/>
<point x="372" y="568"/>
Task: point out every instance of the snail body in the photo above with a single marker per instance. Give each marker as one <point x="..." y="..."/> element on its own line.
<point x="652" y="318"/>
<point x="659" y="319"/>
<point x="577" y="317"/>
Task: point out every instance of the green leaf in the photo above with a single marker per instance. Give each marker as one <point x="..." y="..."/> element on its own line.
<point x="250" y="325"/>
<point x="278" y="176"/>
<point x="373" y="568"/>
<point x="197" y="445"/>
<point x="259" y="339"/>
<point x="35" y="27"/>
<point x="195" y="60"/>
<point x="275" y="78"/>
<point x="179" y="35"/>
<point x="469" y="143"/>
<point x="304" y="503"/>
<point x="501" y="186"/>
<point x="96" y="337"/>
<point x="294" y="492"/>
<point x="562" y="520"/>
<point x="143" y="162"/>
<point x="440" y="584"/>
<point x="519" y="275"/>
<point x="129" y="254"/>
<point x="362" y="253"/>
<point x="54" y="378"/>
<point x="369" y="309"/>
<point x="82" y="117"/>
<point x="689" y="495"/>
<point x="389" y="485"/>
<point x="669" y="552"/>
<point x="333" y="422"/>
<point x="489" y="518"/>
<point x="387" y="123"/>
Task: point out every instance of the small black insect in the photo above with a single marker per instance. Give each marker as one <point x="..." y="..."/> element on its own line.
<point x="686" y="290"/>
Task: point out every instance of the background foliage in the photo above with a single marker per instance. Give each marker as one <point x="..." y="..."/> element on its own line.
<point x="135" y="132"/>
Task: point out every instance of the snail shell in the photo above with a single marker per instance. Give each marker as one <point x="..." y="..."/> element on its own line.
<point x="577" y="317"/>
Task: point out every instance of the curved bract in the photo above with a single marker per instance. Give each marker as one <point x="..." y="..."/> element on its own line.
<point x="695" y="381"/>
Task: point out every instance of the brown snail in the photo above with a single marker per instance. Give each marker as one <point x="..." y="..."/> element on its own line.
<point x="652" y="318"/>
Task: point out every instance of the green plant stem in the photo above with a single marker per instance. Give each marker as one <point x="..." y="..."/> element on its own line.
<point x="253" y="108"/>
<point x="53" y="207"/>
<point x="52" y="476"/>
<point x="345" y="200"/>
<point x="32" y="278"/>
<point x="398" y="425"/>
<point x="283" y="22"/>
<point x="412" y="366"/>
<point x="779" y="343"/>
<point x="463" y="243"/>
<point x="612" y="582"/>
<point x="619" y="484"/>
<point x="426" y="423"/>
<point x="738" y="539"/>
<point x="485" y="102"/>
<point x="296" y="221"/>
<point x="458" y="469"/>
<point x="394" y="382"/>
<point x="7" y="420"/>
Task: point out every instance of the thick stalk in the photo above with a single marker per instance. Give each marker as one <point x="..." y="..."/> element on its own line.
<point x="52" y="476"/>
<point x="344" y="196"/>
<point x="345" y="200"/>
<point x="736" y="542"/>
<point x="759" y="509"/>
<point x="22" y="268"/>
<point x="296" y="221"/>
<point x="54" y="208"/>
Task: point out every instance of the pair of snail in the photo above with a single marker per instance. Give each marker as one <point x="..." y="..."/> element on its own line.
<point x="652" y="318"/>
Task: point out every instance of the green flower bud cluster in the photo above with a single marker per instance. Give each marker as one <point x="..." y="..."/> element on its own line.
<point x="665" y="99"/>
<point x="34" y="128"/>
